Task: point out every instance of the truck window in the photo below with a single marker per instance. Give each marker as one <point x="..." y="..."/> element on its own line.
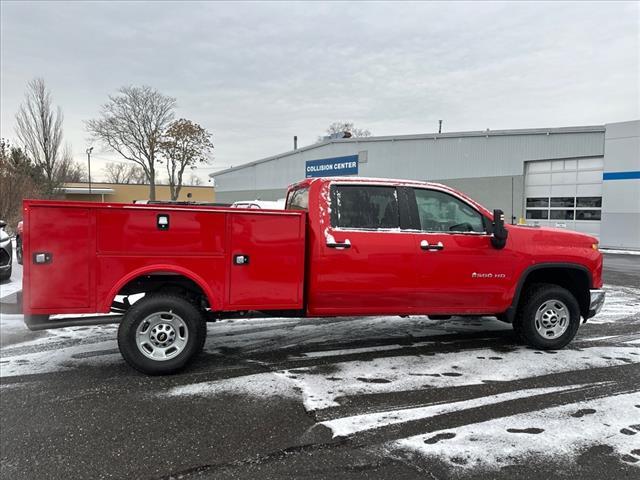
<point x="441" y="212"/>
<point x="368" y="207"/>
<point x="298" y="199"/>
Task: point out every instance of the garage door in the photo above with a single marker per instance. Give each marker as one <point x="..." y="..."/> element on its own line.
<point x="565" y="194"/>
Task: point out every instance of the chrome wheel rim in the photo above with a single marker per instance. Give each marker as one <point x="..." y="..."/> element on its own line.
<point x="162" y="336"/>
<point x="552" y="319"/>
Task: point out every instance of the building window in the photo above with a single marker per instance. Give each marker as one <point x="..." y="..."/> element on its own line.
<point x="538" y="214"/>
<point x="562" y="202"/>
<point x="589" y="202"/>
<point x="588" y="214"/>
<point x="539" y="202"/>
<point x="561" y="214"/>
<point x="564" y="208"/>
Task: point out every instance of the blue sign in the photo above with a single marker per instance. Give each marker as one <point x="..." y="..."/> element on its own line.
<point x="332" y="167"/>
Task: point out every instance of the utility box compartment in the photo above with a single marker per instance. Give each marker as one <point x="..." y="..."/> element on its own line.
<point x="267" y="260"/>
<point x="58" y="257"/>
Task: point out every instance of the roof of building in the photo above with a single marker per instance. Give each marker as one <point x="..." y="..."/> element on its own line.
<point x="422" y="136"/>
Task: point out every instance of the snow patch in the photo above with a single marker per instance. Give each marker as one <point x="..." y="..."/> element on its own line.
<point x="257" y="385"/>
<point x="349" y="425"/>
<point x="620" y="303"/>
<point x="558" y="433"/>
<point x="393" y="374"/>
<point x="67" y="358"/>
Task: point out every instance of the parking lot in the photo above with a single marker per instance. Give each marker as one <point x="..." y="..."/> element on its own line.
<point x="381" y="397"/>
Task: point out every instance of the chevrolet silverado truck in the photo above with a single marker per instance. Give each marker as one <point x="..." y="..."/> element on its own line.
<point x="344" y="246"/>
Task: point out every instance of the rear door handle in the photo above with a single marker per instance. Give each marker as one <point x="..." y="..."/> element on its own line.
<point x="334" y="244"/>
<point x="424" y="245"/>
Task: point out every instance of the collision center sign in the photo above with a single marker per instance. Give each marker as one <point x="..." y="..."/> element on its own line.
<point x="332" y="167"/>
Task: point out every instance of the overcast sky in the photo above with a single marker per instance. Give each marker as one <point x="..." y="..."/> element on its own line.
<point x="255" y="74"/>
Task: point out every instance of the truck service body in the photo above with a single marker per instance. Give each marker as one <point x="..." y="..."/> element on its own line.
<point x="343" y="246"/>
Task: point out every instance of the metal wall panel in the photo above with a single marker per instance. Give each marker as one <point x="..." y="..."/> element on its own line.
<point x="621" y="197"/>
<point x="421" y="158"/>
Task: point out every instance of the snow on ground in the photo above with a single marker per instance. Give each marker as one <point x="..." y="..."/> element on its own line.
<point x="257" y="385"/>
<point x="25" y="361"/>
<point x="344" y="426"/>
<point x="620" y="303"/>
<point x="471" y="367"/>
<point x="85" y="355"/>
<point x="9" y="288"/>
<point x="558" y="433"/>
<point x="15" y="283"/>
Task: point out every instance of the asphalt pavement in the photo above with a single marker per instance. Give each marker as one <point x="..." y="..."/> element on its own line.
<point x="381" y="397"/>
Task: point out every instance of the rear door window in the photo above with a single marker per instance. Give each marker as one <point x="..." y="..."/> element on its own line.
<point x="365" y="207"/>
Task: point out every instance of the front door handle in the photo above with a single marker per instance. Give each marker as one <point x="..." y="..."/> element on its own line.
<point x="424" y="245"/>
<point x="334" y="244"/>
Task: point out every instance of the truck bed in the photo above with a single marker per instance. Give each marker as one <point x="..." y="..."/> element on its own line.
<point x="80" y="255"/>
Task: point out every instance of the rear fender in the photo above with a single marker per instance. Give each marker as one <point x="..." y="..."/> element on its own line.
<point x="157" y="270"/>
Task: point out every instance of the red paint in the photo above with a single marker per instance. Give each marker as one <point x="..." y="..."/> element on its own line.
<point x="97" y="248"/>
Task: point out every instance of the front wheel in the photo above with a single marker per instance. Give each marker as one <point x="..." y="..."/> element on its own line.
<point x="161" y="334"/>
<point x="548" y="318"/>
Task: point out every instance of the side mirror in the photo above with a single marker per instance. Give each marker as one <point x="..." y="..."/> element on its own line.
<point x="499" y="233"/>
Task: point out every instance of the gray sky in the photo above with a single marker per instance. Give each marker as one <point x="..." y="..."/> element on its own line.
<point x="255" y="74"/>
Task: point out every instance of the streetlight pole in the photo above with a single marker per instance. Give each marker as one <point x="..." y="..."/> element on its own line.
<point x="89" y="150"/>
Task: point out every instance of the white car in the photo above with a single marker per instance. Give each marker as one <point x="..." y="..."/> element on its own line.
<point x="260" y="204"/>
<point x="6" y="253"/>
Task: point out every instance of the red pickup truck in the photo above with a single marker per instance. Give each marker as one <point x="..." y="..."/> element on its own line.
<point x="343" y="246"/>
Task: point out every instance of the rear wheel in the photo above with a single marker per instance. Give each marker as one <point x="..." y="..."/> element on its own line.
<point x="161" y="334"/>
<point x="548" y="318"/>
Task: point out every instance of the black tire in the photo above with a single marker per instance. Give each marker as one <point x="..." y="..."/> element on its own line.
<point x="187" y="314"/>
<point x="6" y="275"/>
<point x="540" y="295"/>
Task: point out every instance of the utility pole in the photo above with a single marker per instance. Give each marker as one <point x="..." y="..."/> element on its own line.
<point x="439" y="126"/>
<point x="89" y="150"/>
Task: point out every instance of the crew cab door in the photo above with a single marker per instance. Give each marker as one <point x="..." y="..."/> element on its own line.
<point x="458" y="269"/>
<point x="366" y="262"/>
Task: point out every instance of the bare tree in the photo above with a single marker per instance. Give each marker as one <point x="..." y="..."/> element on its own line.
<point x="185" y="144"/>
<point x="19" y="179"/>
<point x="194" y="180"/>
<point x="347" y="128"/>
<point x="132" y="123"/>
<point x="69" y="170"/>
<point x="39" y="129"/>
<point x="120" y="172"/>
